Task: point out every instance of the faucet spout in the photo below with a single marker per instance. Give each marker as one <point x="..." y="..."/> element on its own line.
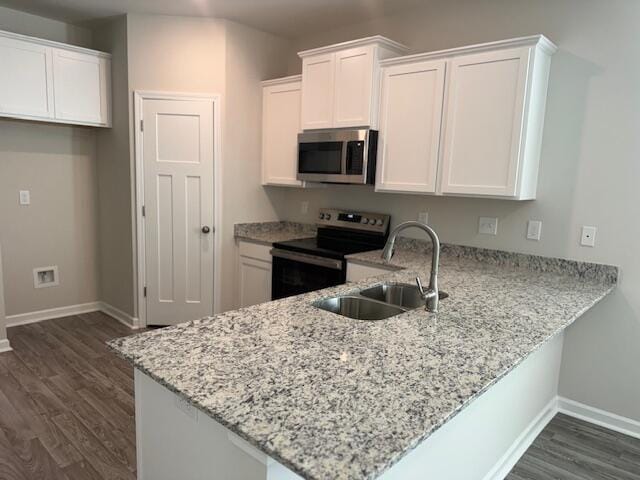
<point x="430" y="294"/>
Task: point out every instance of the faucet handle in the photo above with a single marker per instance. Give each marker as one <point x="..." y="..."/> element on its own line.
<point x="420" y="287"/>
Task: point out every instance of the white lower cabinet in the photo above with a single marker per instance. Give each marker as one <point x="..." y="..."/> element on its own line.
<point x="254" y="273"/>
<point x="356" y="271"/>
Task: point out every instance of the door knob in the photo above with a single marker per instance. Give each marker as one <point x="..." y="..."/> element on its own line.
<point x="206" y="229"/>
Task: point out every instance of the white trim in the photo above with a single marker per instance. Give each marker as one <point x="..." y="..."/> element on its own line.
<point x="281" y="80"/>
<point x="39" y="315"/>
<point x="612" y="421"/>
<point x="5" y="346"/>
<point x="123" y="317"/>
<point x="360" y="42"/>
<point x="51" y="43"/>
<point x="503" y="466"/>
<point x="541" y="41"/>
<point x="138" y="97"/>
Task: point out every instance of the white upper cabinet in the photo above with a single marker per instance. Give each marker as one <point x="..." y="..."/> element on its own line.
<point x="317" y="91"/>
<point x="280" y="126"/>
<point x="26" y="80"/>
<point x="340" y="83"/>
<point x="53" y="82"/>
<point x="80" y="83"/>
<point x="410" y="123"/>
<point x="476" y="130"/>
<point x="485" y="118"/>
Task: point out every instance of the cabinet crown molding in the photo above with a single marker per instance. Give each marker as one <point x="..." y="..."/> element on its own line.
<point x="51" y="43"/>
<point x="361" y="42"/>
<point x="540" y="41"/>
<point x="281" y="80"/>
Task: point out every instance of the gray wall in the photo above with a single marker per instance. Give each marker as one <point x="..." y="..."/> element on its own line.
<point x="588" y="175"/>
<point x="57" y="163"/>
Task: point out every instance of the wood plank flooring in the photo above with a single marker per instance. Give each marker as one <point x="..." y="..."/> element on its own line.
<point x="570" y="449"/>
<point x="66" y="402"/>
<point x="67" y="413"/>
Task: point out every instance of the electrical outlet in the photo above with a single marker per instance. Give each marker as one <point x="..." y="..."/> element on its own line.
<point x="488" y="226"/>
<point x="304" y="207"/>
<point x="588" y="238"/>
<point x="534" y="230"/>
<point x="423" y="217"/>
<point x="25" y="197"/>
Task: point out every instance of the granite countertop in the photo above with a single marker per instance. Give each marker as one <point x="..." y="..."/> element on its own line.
<point x="268" y="233"/>
<point x="331" y="397"/>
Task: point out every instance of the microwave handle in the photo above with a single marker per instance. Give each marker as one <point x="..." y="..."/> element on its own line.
<point x="343" y="168"/>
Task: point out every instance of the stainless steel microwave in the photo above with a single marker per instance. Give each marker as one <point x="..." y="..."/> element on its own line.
<point x="338" y="156"/>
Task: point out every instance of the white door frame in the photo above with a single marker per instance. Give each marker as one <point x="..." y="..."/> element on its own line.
<point x="140" y="272"/>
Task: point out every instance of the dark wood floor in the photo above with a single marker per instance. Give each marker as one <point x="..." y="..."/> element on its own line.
<point x="66" y="402"/>
<point x="570" y="449"/>
<point x="67" y="413"/>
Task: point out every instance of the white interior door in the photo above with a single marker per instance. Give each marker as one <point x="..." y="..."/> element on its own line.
<point x="178" y="197"/>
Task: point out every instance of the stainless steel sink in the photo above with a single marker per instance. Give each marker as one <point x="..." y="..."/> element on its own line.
<point x="360" y="308"/>
<point x="401" y="294"/>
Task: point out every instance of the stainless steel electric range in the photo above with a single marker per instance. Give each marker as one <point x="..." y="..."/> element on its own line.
<point x="308" y="264"/>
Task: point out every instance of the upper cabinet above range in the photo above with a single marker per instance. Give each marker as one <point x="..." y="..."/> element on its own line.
<point x="54" y="82"/>
<point x="340" y="83"/>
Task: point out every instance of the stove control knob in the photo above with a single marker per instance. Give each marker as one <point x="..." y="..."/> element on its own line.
<point x="379" y="222"/>
<point x="322" y="216"/>
<point x="364" y="220"/>
<point x="372" y="221"/>
<point x="327" y="216"/>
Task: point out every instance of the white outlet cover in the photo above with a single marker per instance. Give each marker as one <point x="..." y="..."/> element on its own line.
<point x="534" y="229"/>
<point x="304" y="207"/>
<point x="25" y="197"/>
<point x="423" y="217"/>
<point x="588" y="237"/>
<point x="488" y="226"/>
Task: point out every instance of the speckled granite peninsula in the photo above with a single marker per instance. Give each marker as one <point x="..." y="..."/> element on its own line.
<point x="331" y="397"/>
<point x="272" y="232"/>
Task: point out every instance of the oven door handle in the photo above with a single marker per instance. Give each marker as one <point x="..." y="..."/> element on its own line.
<point x="306" y="258"/>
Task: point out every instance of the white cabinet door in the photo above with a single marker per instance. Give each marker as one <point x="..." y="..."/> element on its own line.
<point x="255" y="281"/>
<point x="484" y="122"/>
<point x="81" y="86"/>
<point x="353" y="87"/>
<point x="410" y="123"/>
<point x="280" y="127"/>
<point x="317" y="91"/>
<point x="26" y="80"/>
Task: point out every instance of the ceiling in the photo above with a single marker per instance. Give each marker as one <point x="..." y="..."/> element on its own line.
<point x="289" y="18"/>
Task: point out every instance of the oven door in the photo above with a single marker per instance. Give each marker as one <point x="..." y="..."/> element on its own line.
<point x="294" y="273"/>
<point x="334" y="156"/>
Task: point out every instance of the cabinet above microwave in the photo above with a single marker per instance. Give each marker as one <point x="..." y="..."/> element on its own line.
<point x="340" y="83"/>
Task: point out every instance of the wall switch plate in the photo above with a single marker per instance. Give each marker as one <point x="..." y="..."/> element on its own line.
<point x="25" y="197"/>
<point x="488" y="226"/>
<point x="588" y="238"/>
<point x="304" y="207"/>
<point x="534" y="229"/>
<point x="423" y="217"/>
<point x="45" y="277"/>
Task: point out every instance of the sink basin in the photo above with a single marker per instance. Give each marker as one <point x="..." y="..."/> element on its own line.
<point x="359" y="308"/>
<point x="401" y="294"/>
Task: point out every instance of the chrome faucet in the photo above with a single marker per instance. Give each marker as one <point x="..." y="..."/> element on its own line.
<point x="430" y="295"/>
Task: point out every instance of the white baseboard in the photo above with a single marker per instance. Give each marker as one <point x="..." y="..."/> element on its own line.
<point x="122" y="317"/>
<point x="5" y="346"/>
<point x="502" y="468"/>
<point x="596" y="416"/>
<point x="39" y="315"/>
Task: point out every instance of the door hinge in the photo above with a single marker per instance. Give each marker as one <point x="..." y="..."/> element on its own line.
<point x="142" y="125"/>
<point x="145" y="291"/>
<point x="144" y="211"/>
